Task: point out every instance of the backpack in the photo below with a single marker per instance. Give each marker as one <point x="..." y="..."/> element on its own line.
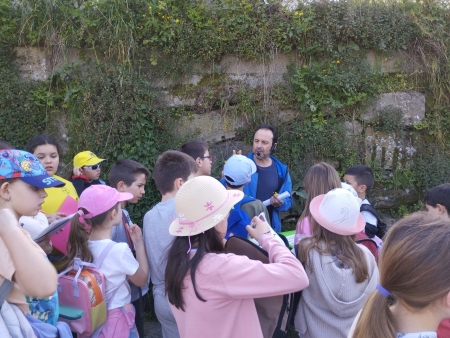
<point x="381" y="226"/>
<point x="238" y="219"/>
<point x="81" y="292"/>
<point x="369" y="243"/>
<point x="274" y="313"/>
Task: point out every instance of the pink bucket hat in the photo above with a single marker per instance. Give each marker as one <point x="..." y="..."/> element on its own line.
<point x="338" y="212"/>
<point x="99" y="198"/>
<point x="201" y="203"/>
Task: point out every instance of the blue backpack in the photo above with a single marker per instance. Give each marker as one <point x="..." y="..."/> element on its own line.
<point x="238" y="219"/>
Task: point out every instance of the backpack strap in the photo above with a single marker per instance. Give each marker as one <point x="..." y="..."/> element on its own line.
<point x="5" y="289"/>
<point x="371" y="209"/>
<point x="99" y="261"/>
<point x="78" y="265"/>
<point x="381" y="226"/>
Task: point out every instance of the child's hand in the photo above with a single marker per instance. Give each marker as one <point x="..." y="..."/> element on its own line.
<point x="7" y="220"/>
<point x="135" y="233"/>
<point x="257" y="228"/>
<point x="53" y="217"/>
<point x="239" y="152"/>
<point x="76" y="171"/>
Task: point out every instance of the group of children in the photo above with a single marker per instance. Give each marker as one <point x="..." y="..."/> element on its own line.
<point x="198" y="289"/>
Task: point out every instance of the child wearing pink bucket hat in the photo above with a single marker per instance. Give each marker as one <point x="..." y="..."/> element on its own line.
<point x="342" y="273"/>
<point x="210" y="292"/>
<point x="99" y="209"/>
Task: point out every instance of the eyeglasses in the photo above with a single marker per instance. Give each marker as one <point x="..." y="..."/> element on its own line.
<point x="93" y="167"/>
<point x="209" y="156"/>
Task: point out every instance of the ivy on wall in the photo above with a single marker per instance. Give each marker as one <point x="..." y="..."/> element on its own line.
<point x="111" y="104"/>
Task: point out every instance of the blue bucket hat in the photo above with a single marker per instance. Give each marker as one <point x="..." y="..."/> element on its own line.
<point x="25" y="166"/>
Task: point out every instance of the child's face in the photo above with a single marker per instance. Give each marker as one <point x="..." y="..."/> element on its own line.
<point x="48" y="156"/>
<point x="205" y="164"/>
<point x="360" y="189"/>
<point x="25" y="200"/>
<point x="91" y="173"/>
<point x="136" y="188"/>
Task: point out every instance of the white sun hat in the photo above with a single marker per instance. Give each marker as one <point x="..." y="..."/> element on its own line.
<point x="201" y="203"/>
<point x="338" y="212"/>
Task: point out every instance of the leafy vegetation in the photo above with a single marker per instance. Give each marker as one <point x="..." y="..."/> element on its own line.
<point x="132" y="51"/>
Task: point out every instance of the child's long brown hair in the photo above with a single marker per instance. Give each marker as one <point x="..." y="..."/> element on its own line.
<point x="319" y="179"/>
<point x="414" y="267"/>
<point x="343" y="248"/>
<point x="77" y="245"/>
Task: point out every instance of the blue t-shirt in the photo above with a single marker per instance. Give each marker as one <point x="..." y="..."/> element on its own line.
<point x="267" y="184"/>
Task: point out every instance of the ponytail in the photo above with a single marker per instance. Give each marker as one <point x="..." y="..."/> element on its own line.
<point x="414" y="269"/>
<point x="376" y="320"/>
<point x="77" y="245"/>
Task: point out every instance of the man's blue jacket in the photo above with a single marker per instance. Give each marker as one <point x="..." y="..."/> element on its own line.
<point x="284" y="184"/>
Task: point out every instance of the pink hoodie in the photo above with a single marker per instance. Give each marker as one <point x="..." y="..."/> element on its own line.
<point x="229" y="283"/>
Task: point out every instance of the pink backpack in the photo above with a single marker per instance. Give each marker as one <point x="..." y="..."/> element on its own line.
<point x="81" y="292"/>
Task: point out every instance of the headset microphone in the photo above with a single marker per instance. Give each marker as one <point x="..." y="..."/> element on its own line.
<point x="258" y="154"/>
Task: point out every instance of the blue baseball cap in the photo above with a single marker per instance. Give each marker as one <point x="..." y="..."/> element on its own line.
<point x="25" y="166"/>
<point x="238" y="170"/>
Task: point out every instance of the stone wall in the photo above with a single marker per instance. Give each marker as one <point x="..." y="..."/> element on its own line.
<point x="391" y="150"/>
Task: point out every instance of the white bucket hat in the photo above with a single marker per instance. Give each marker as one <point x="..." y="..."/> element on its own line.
<point x="201" y="203"/>
<point x="338" y="212"/>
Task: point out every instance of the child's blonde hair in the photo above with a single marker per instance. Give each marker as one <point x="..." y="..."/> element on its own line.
<point x="414" y="268"/>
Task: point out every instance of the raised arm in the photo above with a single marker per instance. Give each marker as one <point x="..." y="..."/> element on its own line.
<point x="35" y="275"/>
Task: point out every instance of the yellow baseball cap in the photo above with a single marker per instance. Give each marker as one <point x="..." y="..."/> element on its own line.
<point x="86" y="158"/>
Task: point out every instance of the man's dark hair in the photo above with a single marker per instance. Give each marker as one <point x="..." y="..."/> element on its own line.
<point x="272" y="129"/>
<point x="195" y="148"/>
<point x="363" y="175"/>
<point x="40" y="140"/>
<point x="171" y="165"/>
<point x="126" y="170"/>
<point x="438" y="195"/>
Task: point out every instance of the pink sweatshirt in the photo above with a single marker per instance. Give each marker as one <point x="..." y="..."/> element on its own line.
<point x="229" y="283"/>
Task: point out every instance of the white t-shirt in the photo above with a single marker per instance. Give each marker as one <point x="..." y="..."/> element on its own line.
<point x="119" y="263"/>
<point x="368" y="216"/>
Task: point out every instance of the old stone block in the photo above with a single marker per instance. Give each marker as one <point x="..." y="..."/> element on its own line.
<point x="390" y="151"/>
<point x="255" y="74"/>
<point x="209" y="127"/>
<point x="33" y="63"/>
<point x="353" y="128"/>
<point x="411" y="104"/>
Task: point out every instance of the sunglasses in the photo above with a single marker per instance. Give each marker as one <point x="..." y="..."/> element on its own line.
<point x="93" y="167"/>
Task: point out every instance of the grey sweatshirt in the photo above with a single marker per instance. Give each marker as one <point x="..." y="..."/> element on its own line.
<point x="333" y="299"/>
<point x="158" y="241"/>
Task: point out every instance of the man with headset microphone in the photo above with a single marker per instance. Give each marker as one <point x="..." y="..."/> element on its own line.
<point x="271" y="177"/>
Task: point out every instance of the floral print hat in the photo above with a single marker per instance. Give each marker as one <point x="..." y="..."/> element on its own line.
<point x="201" y="203"/>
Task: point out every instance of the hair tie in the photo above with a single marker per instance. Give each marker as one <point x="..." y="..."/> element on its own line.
<point x="383" y="291"/>
<point x="80" y="212"/>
